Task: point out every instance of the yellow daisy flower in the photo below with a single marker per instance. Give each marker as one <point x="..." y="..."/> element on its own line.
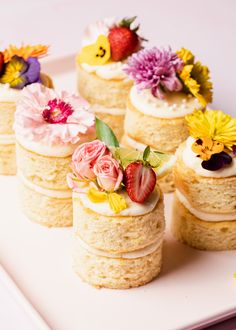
<point x="213" y="124"/>
<point x="96" y="54"/>
<point x="195" y="77"/>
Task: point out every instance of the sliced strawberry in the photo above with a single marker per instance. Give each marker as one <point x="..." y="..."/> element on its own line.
<point x="140" y="181"/>
<point x="123" y="42"/>
<point x="1" y="61"/>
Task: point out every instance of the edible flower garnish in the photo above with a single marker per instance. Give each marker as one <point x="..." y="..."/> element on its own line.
<point x="20" y="66"/>
<point x="163" y="71"/>
<point x="215" y="134"/>
<point x="155" y="69"/>
<point x="115" y="41"/>
<point x="195" y="77"/>
<point x="112" y="174"/>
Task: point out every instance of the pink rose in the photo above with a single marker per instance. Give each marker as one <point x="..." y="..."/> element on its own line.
<point x="108" y="172"/>
<point x="85" y="157"/>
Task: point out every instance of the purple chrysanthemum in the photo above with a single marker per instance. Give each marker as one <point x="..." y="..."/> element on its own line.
<point x="155" y="69"/>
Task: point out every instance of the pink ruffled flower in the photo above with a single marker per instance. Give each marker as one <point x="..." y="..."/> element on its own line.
<point x="44" y="115"/>
<point x="85" y="157"/>
<point x="108" y="172"/>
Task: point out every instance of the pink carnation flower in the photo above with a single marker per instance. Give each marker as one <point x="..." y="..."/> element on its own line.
<point x="44" y="115"/>
<point x="155" y="69"/>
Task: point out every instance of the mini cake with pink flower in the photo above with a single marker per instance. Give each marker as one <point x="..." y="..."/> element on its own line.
<point x="118" y="212"/>
<point x="168" y="85"/>
<point x="19" y="67"/>
<point x="48" y="127"/>
<point x="106" y="45"/>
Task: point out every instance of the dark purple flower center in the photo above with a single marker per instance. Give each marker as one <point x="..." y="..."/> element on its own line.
<point x="217" y="161"/>
<point x="234" y="150"/>
<point x="57" y="112"/>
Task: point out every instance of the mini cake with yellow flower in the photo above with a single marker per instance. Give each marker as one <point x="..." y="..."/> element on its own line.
<point x="118" y="213"/>
<point x="18" y="67"/>
<point x="204" y="209"/>
<point x="167" y="86"/>
<point x="48" y="127"/>
<point x="106" y="45"/>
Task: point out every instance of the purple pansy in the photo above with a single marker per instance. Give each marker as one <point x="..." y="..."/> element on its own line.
<point x="155" y="69"/>
<point x="217" y="161"/>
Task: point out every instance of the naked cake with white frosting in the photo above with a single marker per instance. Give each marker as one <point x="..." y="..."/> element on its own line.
<point x="18" y="67"/>
<point x="106" y="45"/>
<point x="118" y="214"/>
<point x="49" y="126"/>
<point x="167" y="86"/>
<point x="204" y="209"/>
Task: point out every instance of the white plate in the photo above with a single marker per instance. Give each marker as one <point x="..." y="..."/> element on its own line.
<point x="194" y="288"/>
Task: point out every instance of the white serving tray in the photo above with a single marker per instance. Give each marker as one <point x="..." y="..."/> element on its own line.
<point x="195" y="288"/>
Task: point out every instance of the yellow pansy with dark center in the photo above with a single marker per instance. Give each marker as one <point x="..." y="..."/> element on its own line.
<point x="96" y="54"/>
<point x="206" y="147"/>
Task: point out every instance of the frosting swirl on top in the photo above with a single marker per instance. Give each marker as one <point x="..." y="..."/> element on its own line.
<point x="175" y="104"/>
<point x="50" y="118"/>
<point x="112" y="70"/>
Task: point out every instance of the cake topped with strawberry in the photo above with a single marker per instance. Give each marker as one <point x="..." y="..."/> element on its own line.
<point x="104" y="172"/>
<point x="106" y="44"/>
<point x="118" y="212"/>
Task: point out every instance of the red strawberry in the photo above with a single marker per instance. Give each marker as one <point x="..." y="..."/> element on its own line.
<point x="123" y="41"/>
<point x="1" y="61"/>
<point x="140" y="181"/>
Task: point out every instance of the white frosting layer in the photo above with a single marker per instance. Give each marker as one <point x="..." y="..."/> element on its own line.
<point x="214" y="217"/>
<point x="7" y="139"/>
<point x="140" y="146"/>
<point x="174" y="105"/>
<point x="191" y="160"/>
<point x="133" y="209"/>
<point x="96" y="108"/>
<point x="8" y="94"/>
<point x="113" y="70"/>
<point x="47" y="150"/>
<point x="125" y="255"/>
<point x="47" y="192"/>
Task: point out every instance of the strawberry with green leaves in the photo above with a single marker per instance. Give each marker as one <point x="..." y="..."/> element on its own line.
<point x="124" y="40"/>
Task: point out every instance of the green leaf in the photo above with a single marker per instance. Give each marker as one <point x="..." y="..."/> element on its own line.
<point x="105" y="134"/>
<point x="146" y="153"/>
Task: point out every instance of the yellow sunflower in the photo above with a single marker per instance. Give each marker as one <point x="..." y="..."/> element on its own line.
<point x="195" y="77"/>
<point x="213" y="124"/>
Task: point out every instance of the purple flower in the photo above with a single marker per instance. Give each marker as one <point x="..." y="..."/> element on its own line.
<point x="18" y="73"/>
<point x="217" y="161"/>
<point x="155" y="69"/>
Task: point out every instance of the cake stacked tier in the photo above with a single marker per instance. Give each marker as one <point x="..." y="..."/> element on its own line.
<point x="43" y="191"/>
<point x="19" y="66"/>
<point x="118" y="251"/>
<point x="204" y="209"/>
<point x="7" y="138"/>
<point x="107" y="97"/>
<point x="157" y="123"/>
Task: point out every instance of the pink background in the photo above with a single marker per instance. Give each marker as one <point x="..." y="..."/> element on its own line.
<point x="207" y="27"/>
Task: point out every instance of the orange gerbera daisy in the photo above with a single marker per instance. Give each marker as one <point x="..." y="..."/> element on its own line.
<point x="24" y="51"/>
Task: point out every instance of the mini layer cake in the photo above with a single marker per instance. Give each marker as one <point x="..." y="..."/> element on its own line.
<point x="167" y="86"/>
<point x="118" y="217"/>
<point x="48" y="126"/>
<point x="101" y="79"/>
<point x="204" y="209"/>
<point x="18" y="67"/>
